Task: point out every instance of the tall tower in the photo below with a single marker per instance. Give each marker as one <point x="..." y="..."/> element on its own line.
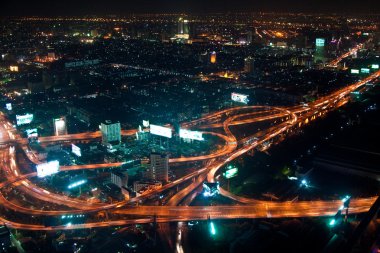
<point x="249" y="64"/>
<point x="60" y="126"/>
<point x="183" y="29"/>
<point x="320" y="51"/>
<point x="249" y="37"/>
<point x="159" y="167"/>
<point x="183" y="26"/>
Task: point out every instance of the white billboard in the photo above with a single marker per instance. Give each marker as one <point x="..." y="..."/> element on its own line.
<point x="8" y="106"/>
<point x="32" y="133"/>
<point x="161" y="131"/>
<point x="241" y="98"/>
<point x="24" y="119"/>
<point x="188" y="134"/>
<point x="47" y="169"/>
<point x="76" y="150"/>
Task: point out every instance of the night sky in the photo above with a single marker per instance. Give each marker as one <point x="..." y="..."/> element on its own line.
<point x="83" y="7"/>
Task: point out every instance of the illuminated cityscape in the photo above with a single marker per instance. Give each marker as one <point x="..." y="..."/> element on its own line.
<point x="230" y="126"/>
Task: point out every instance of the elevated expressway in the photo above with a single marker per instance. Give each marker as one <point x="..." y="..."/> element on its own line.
<point x="291" y="118"/>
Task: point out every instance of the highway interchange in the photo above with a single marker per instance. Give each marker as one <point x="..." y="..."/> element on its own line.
<point x="284" y="120"/>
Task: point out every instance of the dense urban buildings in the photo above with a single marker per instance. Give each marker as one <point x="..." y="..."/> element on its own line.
<point x="175" y="130"/>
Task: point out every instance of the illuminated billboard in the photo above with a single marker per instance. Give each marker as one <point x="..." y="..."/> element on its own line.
<point x="32" y="133"/>
<point x="213" y="57"/>
<point x="8" y="106"/>
<point x="47" y="169"/>
<point x="145" y="123"/>
<point x="188" y="134"/>
<point x="76" y="150"/>
<point x="13" y="68"/>
<point x="364" y="70"/>
<point x="319" y="42"/>
<point x="231" y="172"/>
<point x="24" y="119"/>
<point x="375" y="66"/>
<point x="241" y="98"/>
<point x="161" y="131"/>
<point x="354" y="71"/>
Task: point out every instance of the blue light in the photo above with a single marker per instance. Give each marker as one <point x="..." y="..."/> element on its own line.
<point x="73" y="185"/>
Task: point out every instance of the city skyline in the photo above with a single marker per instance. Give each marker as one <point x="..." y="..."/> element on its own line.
<point x="116" y="7"/>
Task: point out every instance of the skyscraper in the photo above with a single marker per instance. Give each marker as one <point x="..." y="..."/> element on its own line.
<point x="249" y="37"/>
<point x="159" y="167"/>
<point x="320" y="55"/>
<point x="60" y="126"/>
<point x="111" y="132"/>
<point x="183" y="26"/>
<point x="249" y="64"/>
<point x="183" y="29"/>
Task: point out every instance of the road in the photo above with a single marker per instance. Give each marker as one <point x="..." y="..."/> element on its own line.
<point x="292" y="117"/>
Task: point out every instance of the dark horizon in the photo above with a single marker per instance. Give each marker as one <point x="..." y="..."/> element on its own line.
<point x="116" y="7"/>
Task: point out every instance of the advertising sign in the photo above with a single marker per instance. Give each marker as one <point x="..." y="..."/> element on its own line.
<point x="188" y="134"/>
<point x="319" y="42"/>
<point x="354" y="71"/>
<point x="47" y="169"/>
<point x="24" y="119"/>
<point x="76" y="150"/>
<point x="241" y="98"/>
<point x="161" y="131"/>
<point x="8" y="106"/>
<point x="32" y="133"/>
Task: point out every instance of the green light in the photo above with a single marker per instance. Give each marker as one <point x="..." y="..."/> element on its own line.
<point x="232" y="172"/>
<point x="319" y="42"/>
<point x="212" y="229"/>
<point x="332" y="222"/>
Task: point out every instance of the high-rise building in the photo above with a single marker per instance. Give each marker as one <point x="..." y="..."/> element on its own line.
<point x="119" y="178"/>
<point x="60" y="126"/>
<point x="111" y="132"/>
<point x="320" y="55"/>
<point x="183" y="29"/>
<point x="249" y="64"/>
<point x="249" y="37"/>
<point x="159" y="167"/>
<point x="183" y="26"/>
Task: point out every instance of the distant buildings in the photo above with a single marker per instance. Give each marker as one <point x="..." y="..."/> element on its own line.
<point x="111" y="133"/>
<point x="249" y="64"/>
